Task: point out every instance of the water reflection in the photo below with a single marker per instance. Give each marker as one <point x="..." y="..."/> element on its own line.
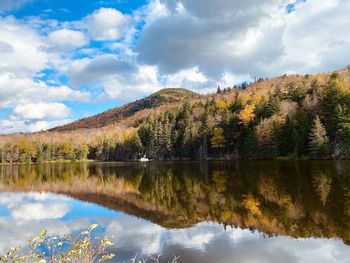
<point x="174" y="203"/>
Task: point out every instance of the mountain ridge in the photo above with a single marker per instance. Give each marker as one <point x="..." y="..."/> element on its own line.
<point x="112" y="116"/>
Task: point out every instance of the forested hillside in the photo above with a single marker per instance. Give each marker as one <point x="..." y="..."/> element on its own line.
<point x="286" y="117"/>
<point x="112" y="116"/>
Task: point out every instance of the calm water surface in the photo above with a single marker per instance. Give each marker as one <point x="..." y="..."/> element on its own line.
<point x="201" y="211"/>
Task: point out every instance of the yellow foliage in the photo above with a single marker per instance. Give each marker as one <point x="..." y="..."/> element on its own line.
<point x="251" y="204"/>
<point x="26" y="147"/>
<point x="247" y="114"/>
<point x="256" y="98"/>
<point x="218" y="140"/>
<point x="129" y="134"/>
<point x="220" y="180"/>
<point x="222" y="105"/>
<point x="320" y="79"/>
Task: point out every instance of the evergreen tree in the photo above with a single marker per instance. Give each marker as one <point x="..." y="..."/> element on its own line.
<point x="301" y="129"/>
<point x="345" y="140"/>
<point x="286" y="145"/>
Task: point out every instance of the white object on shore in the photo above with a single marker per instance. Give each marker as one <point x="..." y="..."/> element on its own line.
<point x="144" y="159"/>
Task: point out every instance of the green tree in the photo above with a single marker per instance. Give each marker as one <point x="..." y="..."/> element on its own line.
<point x="218" y="140"/>
<point x="345" y="140"/>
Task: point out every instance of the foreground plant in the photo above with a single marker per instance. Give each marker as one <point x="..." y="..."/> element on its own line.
<point x="81" y="248"/>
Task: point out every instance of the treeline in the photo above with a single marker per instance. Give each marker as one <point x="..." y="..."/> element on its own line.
<point x="286" y="117"/>
<point x="309" y="118"/>
<point x="27" y="152"/>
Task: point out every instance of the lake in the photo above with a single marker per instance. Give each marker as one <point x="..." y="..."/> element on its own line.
<point x="268" y="211"/>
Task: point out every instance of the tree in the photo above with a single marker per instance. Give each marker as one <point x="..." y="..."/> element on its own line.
<point x="345" y="140"/>
<point x="218" y="140"/>
<point x="67" y="150"/>
<point x="247" y="144"/>
<point x="335" y="101"/>
<point x="301" y="130"/>
<point x="81" y="151"/>
<point x="27" y="151"/>
<point x="286" y="144"/>
<point x="319" y="142"/>
<point x="247" y="114"/>
<point x="105" y="149"/>
<point x="265" y="133"/>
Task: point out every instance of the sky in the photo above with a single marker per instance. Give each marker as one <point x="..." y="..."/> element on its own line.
<point x="64" y="60"/>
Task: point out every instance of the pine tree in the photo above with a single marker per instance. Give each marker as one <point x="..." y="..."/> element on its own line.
<point x="301" y="130"/>
<point x="345" y="140"/>
<point x="319" y="142"/>
<point x="285" y="138"/>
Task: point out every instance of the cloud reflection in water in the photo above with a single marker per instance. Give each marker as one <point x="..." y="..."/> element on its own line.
<point x="23" y="215"/>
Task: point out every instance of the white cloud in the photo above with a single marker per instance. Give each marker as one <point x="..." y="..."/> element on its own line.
<point x="185" y="77"/>
<point x="33" y="206"/>
<point x="232" y="36"/>
<point x="35" y="111"/>
<point x="315" y="37"/>
<point x="16" y="90"/>
<point x="66" y="39"/>
<point x="13" y="124"/>
<point x="39" y="211"/>
<point x="107" y="24"/>
<point x="90" y="70"/>
<point x="132" y="85"/>
<point x="248" y="38"/>
<point x="25" y="54"/>
<point x="36" y="100"/>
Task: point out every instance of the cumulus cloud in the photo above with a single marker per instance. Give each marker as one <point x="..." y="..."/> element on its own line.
<point x="133" y="85"/>
<point x="33" y="206"/>
<point x="66" y="39"/>
<point x="89" y="70"/>
<point x="16" y="90"/>
<point x="315" y="38"/>
<point x="181" y="78"/>
<point x="24" y="54"/>
<point x="107" y="24"/>
<point x="35" y="111"/>
<point x="229" y="37"/>
<point x="254" y="38"/>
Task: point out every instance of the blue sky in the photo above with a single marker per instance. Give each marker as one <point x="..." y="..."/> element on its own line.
<point x="63" y="60"/>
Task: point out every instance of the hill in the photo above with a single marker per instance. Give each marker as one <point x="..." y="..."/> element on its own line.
<point x="112" y="116"/>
